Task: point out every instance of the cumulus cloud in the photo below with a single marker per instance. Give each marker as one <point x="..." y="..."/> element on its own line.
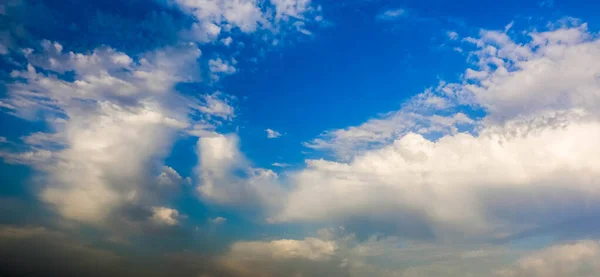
<point x="216" y="105"/>
<point x="272" y="133"/>
<point x="248" y="16"/>
<point x="227" y="177"/>
<point x="244" y="14"/>
<point x="219" y="67"/>
<point x="290" y="8"/>
<point x="165" y="216"/>
<point x="286" y="257"/>
<point x="113" y="123"/>
<point x="227" y="41"/>
<point x="533" y="150"/>
<point x="169" y="177"/>
<point x="578" y="259"/>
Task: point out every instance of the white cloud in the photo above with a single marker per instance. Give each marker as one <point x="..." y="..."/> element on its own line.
<point x="217" y="16"/>
<point x="116" y="120"/>
<point x="272" y="133"/>
<point x="291" y="8"/>
<point x="169" y="177"/>
<point x="309" y="248"/>
<point x="218" y="67"/>
<point x="227" y="41"/>
<point x="217" y="105"/>
<point x="109" y="149"/>
<point x="218" y="220"/>
<point x="227" y="178"/>
<point x="532" y="151"/>
<point x="452" y="35"/>
<point x="165" y="216"/>
<point x="521" y="80"/>
<point x="280" y="164"/>
<point x="28" y="157"/>
<point x="244" y="14"/>
<point x="3" y="139"/>
<point x="418" y="115"/>
<point x="578" y="259"/>
<point x="392" y="14"/>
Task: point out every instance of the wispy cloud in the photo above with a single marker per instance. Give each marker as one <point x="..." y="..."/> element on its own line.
<point x="272" y="133"/>
<point x="280" y="164"/>
<point x="392" y="14"/>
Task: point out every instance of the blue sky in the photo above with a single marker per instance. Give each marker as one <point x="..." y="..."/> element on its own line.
<point x="300" y="138"/>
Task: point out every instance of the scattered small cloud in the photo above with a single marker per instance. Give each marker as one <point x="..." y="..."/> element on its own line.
<point x="219" y="67"/>
<point x="165" y="216"/>
<point x="452" y="35"/>
<point x="218" y="220"/>
<point x="280" y="164"/>
<point x="272" y="133"/>
<point x="227" y="41"/>
<point x="392" y="14"/>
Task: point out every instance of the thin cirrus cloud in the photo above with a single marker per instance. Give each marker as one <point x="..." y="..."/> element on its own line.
<point x="392" y="14"/>
<point x="434" y="188"/>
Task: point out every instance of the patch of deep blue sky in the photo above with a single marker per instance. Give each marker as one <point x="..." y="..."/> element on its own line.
<point x="352" y="68"/>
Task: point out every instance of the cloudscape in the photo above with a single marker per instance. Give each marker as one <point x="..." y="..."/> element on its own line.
<point x="244" y="138"/>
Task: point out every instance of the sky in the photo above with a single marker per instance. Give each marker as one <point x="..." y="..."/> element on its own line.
<point x="243" y="138"/>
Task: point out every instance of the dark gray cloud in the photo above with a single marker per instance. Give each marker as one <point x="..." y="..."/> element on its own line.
<point x="39" y="251"/>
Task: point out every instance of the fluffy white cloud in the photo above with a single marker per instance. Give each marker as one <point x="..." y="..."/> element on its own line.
<point x="112" y="124"/>
<point x="291" y="8"/>
<point x="462" y="181"/>
<point x="169" y="177"/>
<point x="219" y="67"/>
<point x="217" y="105"/>
<point x="227" y="177"/>
<point x="578" y="259"/>
<point x="533" y="151"/>
<point x="227" y="41"/>
<point x="105" y="162"/>
<point x="165" y="216"/>
<point x="244" y="14"/>
<point x="217" y="16"/>
<point x="552" y="72"/>
<point x="272" y="133"/>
